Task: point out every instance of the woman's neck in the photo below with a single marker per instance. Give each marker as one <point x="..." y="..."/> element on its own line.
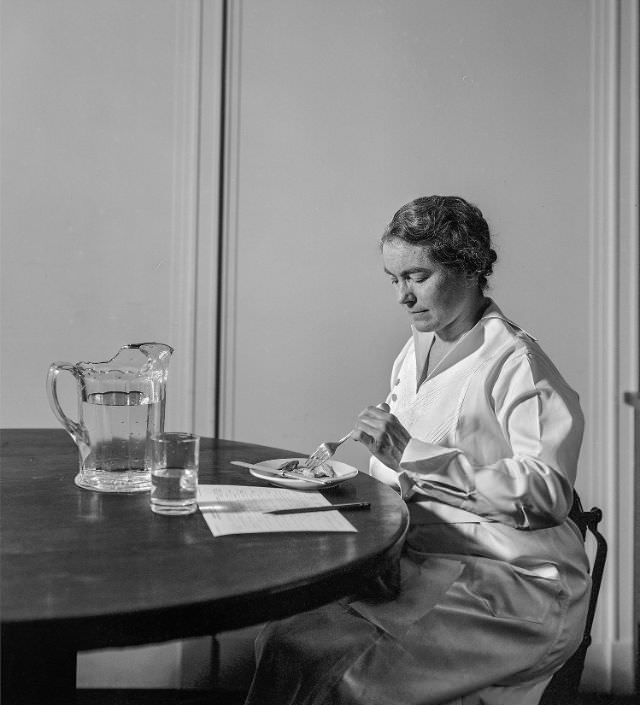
<point x="464" y="323"/>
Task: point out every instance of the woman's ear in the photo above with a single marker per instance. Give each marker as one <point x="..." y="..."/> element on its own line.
<point x="471" y="279"/>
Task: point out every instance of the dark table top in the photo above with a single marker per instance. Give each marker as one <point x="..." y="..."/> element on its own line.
<point x="102" y="570"/>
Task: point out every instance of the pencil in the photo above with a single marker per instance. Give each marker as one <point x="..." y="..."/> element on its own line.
<point x="323" y="508"/>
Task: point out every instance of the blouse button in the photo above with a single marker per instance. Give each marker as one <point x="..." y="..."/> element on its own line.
<point x="398" y="381"/>
<point x="394" y="397"/>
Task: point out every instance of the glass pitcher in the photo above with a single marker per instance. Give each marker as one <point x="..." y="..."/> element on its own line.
<point x="121" y="404"/>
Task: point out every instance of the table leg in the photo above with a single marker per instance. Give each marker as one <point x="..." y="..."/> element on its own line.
<point x="37" y="670"/>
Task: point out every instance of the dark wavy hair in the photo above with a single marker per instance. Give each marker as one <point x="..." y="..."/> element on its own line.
<point x="454" y="231"/>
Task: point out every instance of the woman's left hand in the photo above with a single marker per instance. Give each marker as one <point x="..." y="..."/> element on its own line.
<point x="382" y="433"/>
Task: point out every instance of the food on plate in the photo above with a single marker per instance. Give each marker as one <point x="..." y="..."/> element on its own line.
<point x="299" y="468"/>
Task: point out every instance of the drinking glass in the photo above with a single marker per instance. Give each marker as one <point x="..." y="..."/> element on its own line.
<point x="174" y="473"/>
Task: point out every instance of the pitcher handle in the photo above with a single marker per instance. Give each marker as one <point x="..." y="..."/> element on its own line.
<point x="74" y="429"/>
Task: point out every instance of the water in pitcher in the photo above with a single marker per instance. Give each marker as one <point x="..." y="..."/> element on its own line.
<point x="117" y="424"/>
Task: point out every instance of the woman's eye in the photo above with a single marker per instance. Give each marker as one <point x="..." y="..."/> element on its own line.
<point x="394" y="281"/>
<point x="419" y="279"/>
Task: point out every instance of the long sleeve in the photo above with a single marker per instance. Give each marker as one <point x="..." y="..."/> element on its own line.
<point x="536" y="418"/>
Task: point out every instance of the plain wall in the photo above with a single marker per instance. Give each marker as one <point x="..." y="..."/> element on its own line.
<point x="87" y="178"/>
<point x="346" y="111"/>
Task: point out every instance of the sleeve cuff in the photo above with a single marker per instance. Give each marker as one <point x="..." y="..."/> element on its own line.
<point x="423" y="457"/>
<point x="425" y="463"/>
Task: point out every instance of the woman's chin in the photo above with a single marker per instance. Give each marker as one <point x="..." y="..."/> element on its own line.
<point x="422" y="326"/>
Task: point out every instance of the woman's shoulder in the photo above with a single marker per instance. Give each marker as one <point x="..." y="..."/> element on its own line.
<point x="503" y="340"/>
<point x="494" y="318"/>
<point x="516" y="353"/>
<point x="503" y="333"/>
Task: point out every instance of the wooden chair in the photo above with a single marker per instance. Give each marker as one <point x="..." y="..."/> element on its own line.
<point x="563" y="687"/>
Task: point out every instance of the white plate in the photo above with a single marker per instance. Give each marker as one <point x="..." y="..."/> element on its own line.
<point x="342" y="470"/>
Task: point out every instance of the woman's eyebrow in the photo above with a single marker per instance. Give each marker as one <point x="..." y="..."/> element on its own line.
<point x="411" y="270"/>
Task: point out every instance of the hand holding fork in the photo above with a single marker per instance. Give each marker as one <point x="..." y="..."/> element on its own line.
<point x="378" y="422"/>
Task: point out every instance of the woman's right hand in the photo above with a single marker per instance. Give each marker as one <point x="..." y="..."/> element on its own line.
<point x="383" y="435"/>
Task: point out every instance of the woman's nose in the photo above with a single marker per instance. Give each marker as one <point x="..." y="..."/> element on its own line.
<point x="405" y="295"/>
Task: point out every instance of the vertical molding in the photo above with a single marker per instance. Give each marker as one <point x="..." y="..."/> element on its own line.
<point x="600" y="438"/>
<point x="210" y="185"/>
<point x="200" y="41"/>
<point x="603" y="246"/>
<point x="608" y="472"/>
<point x="625" y="654"/>
<point x="184" y="231"/>
<point x="230" y="226"/>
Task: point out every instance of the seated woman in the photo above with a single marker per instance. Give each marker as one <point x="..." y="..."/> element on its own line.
<point x="481" y="435"/>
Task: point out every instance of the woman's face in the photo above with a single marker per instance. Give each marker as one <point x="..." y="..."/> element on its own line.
<point x="436" y="298"/>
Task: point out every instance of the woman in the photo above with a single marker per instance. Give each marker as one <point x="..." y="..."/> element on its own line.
<point x="481" y="435"/>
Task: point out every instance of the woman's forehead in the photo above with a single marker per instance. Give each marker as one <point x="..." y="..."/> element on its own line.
<point x="399" y="253"/>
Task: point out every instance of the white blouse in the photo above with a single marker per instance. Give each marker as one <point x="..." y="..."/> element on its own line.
<point x="495" y="437"/>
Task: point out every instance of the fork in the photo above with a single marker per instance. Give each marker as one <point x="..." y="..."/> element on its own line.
<point x="325" y="451"/>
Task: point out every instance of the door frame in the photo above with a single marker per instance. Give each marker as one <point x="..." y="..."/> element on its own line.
<point x="614" y="330"/>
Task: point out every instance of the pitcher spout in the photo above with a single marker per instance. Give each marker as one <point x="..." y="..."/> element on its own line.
<point x="158" y="355"/>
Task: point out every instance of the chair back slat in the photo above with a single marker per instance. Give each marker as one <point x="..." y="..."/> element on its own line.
<point x="597" y="569"/>
<point x="563" y="687"/>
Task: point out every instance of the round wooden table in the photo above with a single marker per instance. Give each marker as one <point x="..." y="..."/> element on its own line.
<point x="86" y="570"/>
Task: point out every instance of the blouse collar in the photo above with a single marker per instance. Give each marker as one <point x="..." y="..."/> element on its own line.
<point x="469" y="342"/>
